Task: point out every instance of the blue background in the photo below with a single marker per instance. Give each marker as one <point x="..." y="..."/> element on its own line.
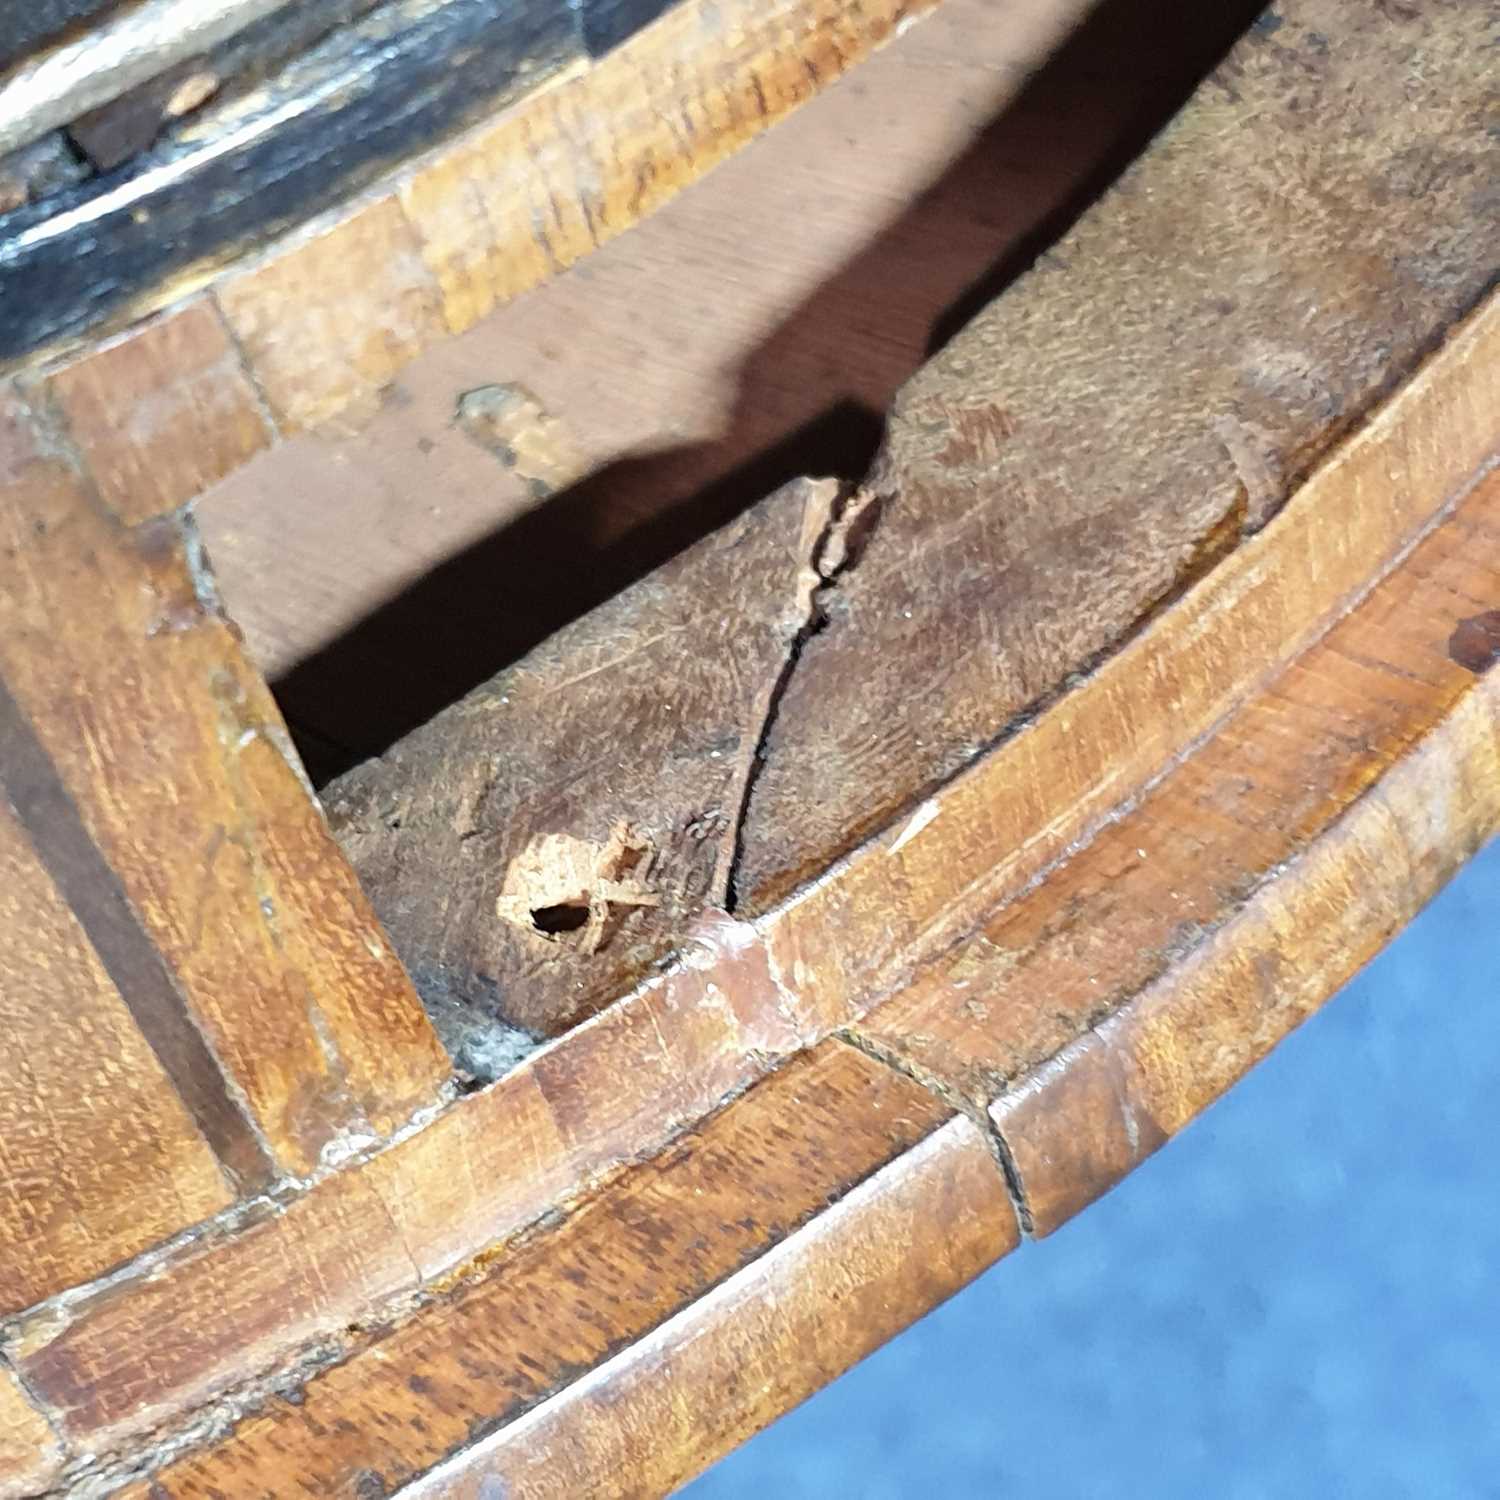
<point x="1300" y="1296"/>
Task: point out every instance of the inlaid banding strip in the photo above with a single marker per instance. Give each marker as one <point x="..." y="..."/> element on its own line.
<point x="70" y="856"/>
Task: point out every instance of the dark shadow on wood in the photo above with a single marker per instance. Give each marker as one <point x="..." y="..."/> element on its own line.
<point x="1076" y="124"/>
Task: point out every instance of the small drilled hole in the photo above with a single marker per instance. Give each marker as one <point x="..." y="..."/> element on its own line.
<point x="570" y="916"/>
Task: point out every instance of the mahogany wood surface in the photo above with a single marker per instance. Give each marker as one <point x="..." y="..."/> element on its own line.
<point x="1223" y="588"/>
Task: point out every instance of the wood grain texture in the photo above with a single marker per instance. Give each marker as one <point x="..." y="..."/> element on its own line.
<point x="30" y="1456"/>
<point x="83" y="925"/>
<point x="98" y="1157"/>
<point x="1275" y="783"/>
<point x="118" y="1362"/>
<point x="176" y="760"/>
<point x="656" y="1415"/>
<point x="699" y="342"/>
<point x="161" y="416"/>
<point x="1239" y="891"/>
<point x="661" y="1228"/>
<point x="729" y="1227"/>
<point x="654" y="702"/>
<point x="126" y="1359"/>
<point x="717" y="1023"/>
<point x="1107" y="1101"/>
<point x="1282" y="255"/>
<point x="606" y="148"/>
<point x="614" y="1089"/>
<point x="326" y="323"/>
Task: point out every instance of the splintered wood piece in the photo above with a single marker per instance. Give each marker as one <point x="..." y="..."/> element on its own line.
<point x="1008" y="820"/>
<point x="712" y="1287"/>
<point x="558" y="884"/>
<point x="252" y="963"/>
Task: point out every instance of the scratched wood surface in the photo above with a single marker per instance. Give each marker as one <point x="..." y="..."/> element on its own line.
<point x="732" y="1227"/>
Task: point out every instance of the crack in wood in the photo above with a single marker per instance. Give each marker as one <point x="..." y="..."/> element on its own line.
<point x="834" y="526"/>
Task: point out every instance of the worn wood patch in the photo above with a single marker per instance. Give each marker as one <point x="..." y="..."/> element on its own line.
<point x="484" y="837"/>
<point x="1281" y="256"/>
<point x="704" y="1233"/>
<point x="345" y="347"/>
<point x="611" y="1091"/>
<point x="1174" y="886"/>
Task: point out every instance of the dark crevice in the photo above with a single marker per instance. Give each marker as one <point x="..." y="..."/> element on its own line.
<point x="1012" y="1174"/>
<point x="567" y="916"/>
<point x="954" y="1099"/>
<point x="834" y="552"/>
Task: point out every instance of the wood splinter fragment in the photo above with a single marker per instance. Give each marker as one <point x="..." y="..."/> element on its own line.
<point x="564" y="888"/>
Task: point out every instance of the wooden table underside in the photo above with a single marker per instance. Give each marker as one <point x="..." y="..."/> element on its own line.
<point x="1000" y="811"/>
